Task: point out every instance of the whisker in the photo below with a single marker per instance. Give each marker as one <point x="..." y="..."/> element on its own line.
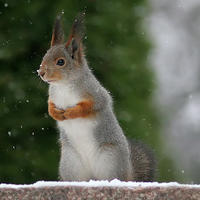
<point x="37" y="55"/>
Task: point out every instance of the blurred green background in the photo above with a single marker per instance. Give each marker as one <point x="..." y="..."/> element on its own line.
<point x="117" y="50"/>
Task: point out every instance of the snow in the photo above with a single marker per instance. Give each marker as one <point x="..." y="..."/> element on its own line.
<point x="113" y="183"/>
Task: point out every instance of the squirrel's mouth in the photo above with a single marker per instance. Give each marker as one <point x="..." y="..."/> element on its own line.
<point x="49" y="81"/>
<point x="42" y="76"/>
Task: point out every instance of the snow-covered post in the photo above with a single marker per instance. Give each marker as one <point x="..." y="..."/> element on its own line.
<point x="99" y="190"/>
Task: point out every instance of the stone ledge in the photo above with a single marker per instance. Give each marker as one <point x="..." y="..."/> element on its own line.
<point x="61" y="192"/>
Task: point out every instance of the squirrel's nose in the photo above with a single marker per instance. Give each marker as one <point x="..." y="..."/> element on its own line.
<point x="40" y="72"/>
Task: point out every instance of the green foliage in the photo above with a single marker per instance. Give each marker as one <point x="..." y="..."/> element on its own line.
<point x="117" y="50"/>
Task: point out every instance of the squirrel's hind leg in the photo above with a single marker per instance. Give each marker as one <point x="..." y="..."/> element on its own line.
<point x="110" y="165"/>
<point x="71" y="167"/>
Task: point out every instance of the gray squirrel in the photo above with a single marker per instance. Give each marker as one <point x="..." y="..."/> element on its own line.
<point x="93" y="145"/>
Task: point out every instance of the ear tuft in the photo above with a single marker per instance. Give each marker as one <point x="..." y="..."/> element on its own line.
<point x="78" y="29"/>
<point x="74" y="44"/>
<point x="57" y="37"/>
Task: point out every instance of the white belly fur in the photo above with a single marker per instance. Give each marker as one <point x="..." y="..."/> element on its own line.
<point x="79" y="131"/>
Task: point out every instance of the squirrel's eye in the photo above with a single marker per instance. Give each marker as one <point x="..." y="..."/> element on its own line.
<point x="60" y="62"/>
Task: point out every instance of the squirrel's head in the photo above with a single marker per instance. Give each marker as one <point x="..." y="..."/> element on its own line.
<point x="64" y="59"/>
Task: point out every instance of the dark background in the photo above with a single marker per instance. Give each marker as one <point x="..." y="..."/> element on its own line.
<point x="117" y="49"/>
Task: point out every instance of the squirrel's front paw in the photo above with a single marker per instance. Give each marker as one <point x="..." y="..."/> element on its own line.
<point x="56" y="113"/>
<point x="81" y="110"/>
<point x="71" y="113"/>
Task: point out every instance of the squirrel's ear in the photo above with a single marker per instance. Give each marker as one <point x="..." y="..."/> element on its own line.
<point x="57" y="37"/>
<point x="74" y="43"/>
<point x="73" y="48"/>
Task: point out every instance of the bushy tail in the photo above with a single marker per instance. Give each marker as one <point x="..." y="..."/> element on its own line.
<point x="143" y="161"/>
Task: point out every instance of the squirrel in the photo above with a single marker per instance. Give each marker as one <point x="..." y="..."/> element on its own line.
<point x="93" y="145"/>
